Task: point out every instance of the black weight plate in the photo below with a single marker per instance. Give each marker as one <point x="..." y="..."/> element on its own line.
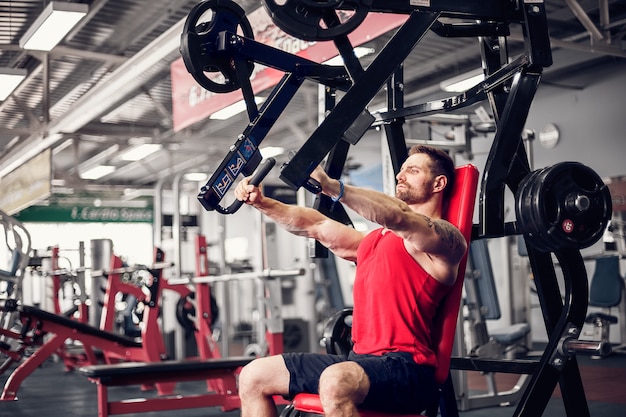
<point x="185" y="312"/>
<point x="547" y="209"/>
<point x="572" y="226"/>
<point x="199" y="48"/>
<point x="541" y="204"/>
<point x="337" y="333"/>
<point x="525" y="200"/>
<point x="319" y="20"/>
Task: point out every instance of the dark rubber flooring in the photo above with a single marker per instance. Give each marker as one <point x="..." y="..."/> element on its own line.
<point x="52" y="392"/>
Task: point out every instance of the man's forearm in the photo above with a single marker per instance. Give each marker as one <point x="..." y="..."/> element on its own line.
<point x="295" y="219"/>
<point x="373" y="205"/>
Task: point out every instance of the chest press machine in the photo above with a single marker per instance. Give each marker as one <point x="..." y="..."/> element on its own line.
<point x="559" y="209"/>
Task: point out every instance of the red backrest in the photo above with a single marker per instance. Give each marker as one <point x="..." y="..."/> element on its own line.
<point x="460" y="213"/>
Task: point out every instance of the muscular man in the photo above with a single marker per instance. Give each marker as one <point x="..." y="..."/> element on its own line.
<point x="403" y="270"/>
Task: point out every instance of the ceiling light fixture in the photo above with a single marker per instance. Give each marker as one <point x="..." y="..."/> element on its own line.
<point x="137" y="153"/>
<point x="196" y="176"/>
<point x="10" y="78"/>
<point x="52" y="25"/>
<point x="97" y="172"/>
<point x="85" y="168"/>
<point x="463" y="82"/>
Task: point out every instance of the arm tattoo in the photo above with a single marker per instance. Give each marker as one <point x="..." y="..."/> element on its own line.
<point x="447" y="235"/>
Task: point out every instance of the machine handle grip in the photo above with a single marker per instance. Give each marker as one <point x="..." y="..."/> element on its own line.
<point x="256" y="179"/>
<point x="313" y="185"/>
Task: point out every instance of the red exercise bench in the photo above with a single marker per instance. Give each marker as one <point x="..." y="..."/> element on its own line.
<point x="140" y="373"/>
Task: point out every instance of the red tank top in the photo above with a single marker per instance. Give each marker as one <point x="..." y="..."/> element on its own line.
<point x="395" y="300"/>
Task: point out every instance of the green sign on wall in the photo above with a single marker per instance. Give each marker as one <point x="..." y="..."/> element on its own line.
<point x="85" y="214"/>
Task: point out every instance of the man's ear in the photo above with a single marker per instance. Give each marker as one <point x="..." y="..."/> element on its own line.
<point x="440" y="183"/>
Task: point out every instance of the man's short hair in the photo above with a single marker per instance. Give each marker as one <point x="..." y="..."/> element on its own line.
<point x="442" y="164"/>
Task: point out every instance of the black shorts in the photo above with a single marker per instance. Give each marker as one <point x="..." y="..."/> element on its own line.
<point x="397" y="383"/>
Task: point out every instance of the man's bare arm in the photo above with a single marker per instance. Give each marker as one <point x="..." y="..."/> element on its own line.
<point x="434" y="236"/>
<point x="342" y="240"/>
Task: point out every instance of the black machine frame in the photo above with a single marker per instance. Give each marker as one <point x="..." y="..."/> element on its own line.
<point x="509" y="87"/>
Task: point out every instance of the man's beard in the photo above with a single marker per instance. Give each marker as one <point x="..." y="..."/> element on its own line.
<point x="410" y="196"/>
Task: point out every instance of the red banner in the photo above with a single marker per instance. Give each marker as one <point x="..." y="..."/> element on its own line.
<point x="192" y="103"/>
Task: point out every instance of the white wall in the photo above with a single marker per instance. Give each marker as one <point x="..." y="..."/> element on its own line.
<point x="590" y="117"/>
<point x="133" y="242"/>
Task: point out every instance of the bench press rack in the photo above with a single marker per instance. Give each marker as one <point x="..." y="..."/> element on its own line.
<point x="220" y="373"/>
<point x="48" y="332"/>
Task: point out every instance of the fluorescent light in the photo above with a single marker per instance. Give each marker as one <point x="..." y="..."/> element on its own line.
<point x="463" y="82"/>
<point x="99" y="159"/>
<point x="97" y="172"/>
<point x="56" y="21"/>
<point x="196" y="176"/>
<point x="137" y="153"/>
<point x="359" y="52"/>
<point x="235" y="108"/>
<point x="270" y="151"/>
<point x="10" y="78"/>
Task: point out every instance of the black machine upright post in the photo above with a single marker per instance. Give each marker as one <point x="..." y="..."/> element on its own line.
<point x="562" y="318"/>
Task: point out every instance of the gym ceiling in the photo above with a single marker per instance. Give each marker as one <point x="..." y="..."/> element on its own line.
<point x="68" y="104"/>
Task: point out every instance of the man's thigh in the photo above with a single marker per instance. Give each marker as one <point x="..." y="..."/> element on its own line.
<point x="267" y="375"/>
<point x="305" y="370"/>
<point x="397" y="383"/>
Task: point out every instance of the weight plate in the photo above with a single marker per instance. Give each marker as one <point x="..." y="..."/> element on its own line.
<point x="525" y="216"/>
<point x="579" y="203"/>
<point x="186" y="311"/>
<point x="214" y="68"/>
<point x="337" y="335"/>
<point x="563" y="206"/>
<point x="317" y="20"/>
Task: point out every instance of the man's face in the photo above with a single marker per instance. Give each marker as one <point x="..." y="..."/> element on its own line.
<point x="415" y="180"/>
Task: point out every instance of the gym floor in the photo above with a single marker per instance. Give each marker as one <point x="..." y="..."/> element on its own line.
<point x="52" y="392"/>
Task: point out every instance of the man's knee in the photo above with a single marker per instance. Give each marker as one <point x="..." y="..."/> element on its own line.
<point x="344" y="381"/>
<point x="250" y="377"/>
<point x="264" y="376"/>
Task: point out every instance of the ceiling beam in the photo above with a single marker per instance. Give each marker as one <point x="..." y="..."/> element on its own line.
<point x="63" y="51"/>
<point x="99" y="99"/>
<point x="118" y="130"/>
<point x="604" y="50"/>
<point x="584" y="19"/>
